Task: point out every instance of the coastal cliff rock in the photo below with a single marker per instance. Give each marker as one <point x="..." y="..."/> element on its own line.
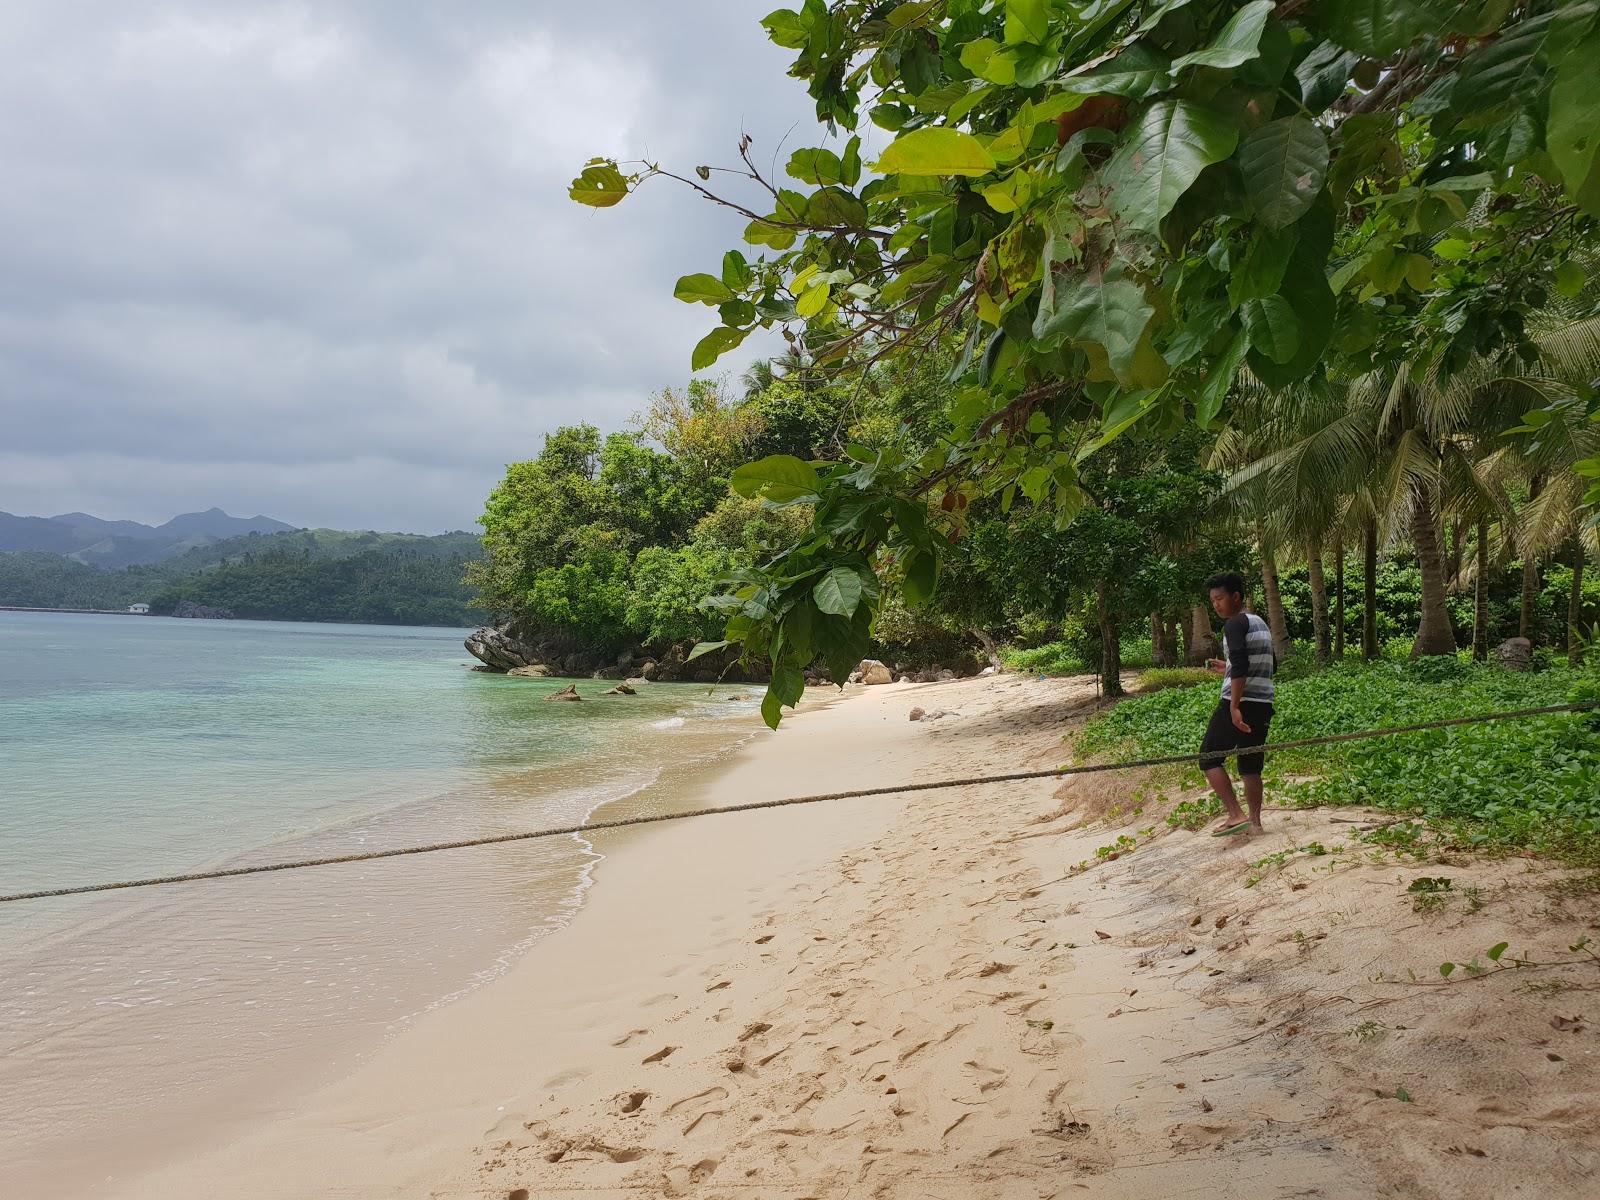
<point x="188" y="608"/>
<point x="511" y="647"/>
<point x="498" y="650"/>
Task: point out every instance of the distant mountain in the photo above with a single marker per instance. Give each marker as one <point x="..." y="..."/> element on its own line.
<point x="97" y="542"/>
<point x="218" y="524"/>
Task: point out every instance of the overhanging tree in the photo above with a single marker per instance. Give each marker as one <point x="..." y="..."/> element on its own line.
<point x="1117" y="205"/>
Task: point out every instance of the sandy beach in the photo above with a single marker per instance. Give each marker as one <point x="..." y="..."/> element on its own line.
<point x="951" y="994"/>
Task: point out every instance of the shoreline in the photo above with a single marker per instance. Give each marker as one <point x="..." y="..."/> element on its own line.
<point x="423" y="1080"/>
<point x="1021" y="992"/>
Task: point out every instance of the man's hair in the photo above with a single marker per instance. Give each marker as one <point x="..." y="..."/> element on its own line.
<point x="1228" y="581"/>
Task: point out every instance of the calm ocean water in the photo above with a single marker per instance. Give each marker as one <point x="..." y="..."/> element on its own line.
<point x="144" y="746"/>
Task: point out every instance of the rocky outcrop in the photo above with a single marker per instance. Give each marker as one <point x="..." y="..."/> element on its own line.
<point x="570" y="692"/>
<point x="531" y="671"/>
<point x="518" y="649"/>
<point x="1515" y="654"/>
<point x="622" y="689"/>
<point x="499" y="650"/>
<point x="188" y="608"/>
<point x="873" y="672"/>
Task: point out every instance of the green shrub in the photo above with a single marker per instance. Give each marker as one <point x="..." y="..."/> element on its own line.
<point x="1531" y="782"/>
<point x="1053" y="658"/>
<point x="1158" y="678"/>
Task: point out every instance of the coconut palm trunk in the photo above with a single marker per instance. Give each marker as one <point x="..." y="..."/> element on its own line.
<point x="1480" y="595"/>
<point x="1575" y="607"/>
<point x="1319" y="599"/>
<point x="1434" y="633"/>
<point x="1338" y="598"/>
<point x="1202" y="642"/>
<point x="1369" y="590"/>
<point x="1530" y="573"/>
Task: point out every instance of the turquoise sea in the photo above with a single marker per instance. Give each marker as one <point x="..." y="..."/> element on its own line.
<point x="137" y="746"/>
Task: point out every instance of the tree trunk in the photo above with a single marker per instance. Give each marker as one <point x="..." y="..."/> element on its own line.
<point x="1434" y="634"/>
<point x="1530" y="574"/>
<point x="1575" y="607"/>
<point x="991" y="651"/>
<point x="1480" y="595"/>
<point x="1338" y="598"/>
<point x="1202" y="642"/>
<point x="1369" y="591"/>
<point x="1319" y="600"/>
<point x="1180" y="635"/>
<point x="1110" y="644"/>
<point x="1456" y="550"/>
<point x="1162" y="651"/>
<point x="1269" y="585"/>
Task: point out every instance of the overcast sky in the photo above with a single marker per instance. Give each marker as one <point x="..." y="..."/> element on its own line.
<point x="317" y="260"/>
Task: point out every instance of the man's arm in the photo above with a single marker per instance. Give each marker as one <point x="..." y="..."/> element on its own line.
<point x="1236" y="633"/>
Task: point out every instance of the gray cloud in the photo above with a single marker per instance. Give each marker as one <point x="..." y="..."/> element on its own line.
<point x="318" y="260"/>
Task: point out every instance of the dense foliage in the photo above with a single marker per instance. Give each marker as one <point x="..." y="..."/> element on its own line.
<point x="307" y="575"/>
<point x="1532" y="782"/>
<point x="1131" y="213"/>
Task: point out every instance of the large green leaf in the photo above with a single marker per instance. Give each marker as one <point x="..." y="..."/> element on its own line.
<point x="1283" y="164"/>
<point x="843" y="642"/>
<point x="1174" y="141"/>
<point x="787" y="28"/>
<point x="600" y="186"/>
<point x="1513" y="65"/>
<point x="815" y="165"/>
<point x="935" y="151"/>
<point x="1219" y="379"/>
<point x="921" y="576"/>
<point x="702" y="289"/>
<point x="1378" y="28"/>
<point x="838" y="592"/>
<point x="1136" y="73"/>
<point x="1105" y="309"/>
<point x="714" y="345"/>
<point x="1237" y="44"/>
<point x="1305" y="288"/>
<point x="1273" y="327"/>
<point x="781" y="478"/>
<point x="1572" y="132"/>
<point x="1027" y="21"/>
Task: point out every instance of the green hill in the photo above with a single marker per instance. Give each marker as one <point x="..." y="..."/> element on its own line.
<point x="298" y="575"/>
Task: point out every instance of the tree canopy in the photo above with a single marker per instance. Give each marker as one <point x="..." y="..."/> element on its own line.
<point x="1121" y="210"/>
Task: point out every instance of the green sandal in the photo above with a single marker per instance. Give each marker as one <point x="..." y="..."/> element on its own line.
<point x="1231" y="830"/>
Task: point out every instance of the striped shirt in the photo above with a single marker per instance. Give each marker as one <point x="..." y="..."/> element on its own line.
<point x="1248" y="642"/>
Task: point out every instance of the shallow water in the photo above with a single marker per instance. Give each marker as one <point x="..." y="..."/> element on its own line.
<point x="145" y="746"/>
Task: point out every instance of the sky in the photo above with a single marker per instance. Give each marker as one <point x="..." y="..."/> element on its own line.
<point x="317" y="261"/>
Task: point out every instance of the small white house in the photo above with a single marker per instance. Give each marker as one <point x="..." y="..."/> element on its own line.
<point x="141" y="609"/>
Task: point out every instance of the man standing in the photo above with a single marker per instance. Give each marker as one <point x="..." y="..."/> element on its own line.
<point x="1245" y="713"/>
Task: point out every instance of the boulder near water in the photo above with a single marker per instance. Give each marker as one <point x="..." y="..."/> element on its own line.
<point x="531" y="671"/>
<point x="570" y="692"/>
<point x="499" y="650"/>
<point x="874" y="672"/>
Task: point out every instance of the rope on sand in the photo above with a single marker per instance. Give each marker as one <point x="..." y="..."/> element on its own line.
<point x="860" y="793"/>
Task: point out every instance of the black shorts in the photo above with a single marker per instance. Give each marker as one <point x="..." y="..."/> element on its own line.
<point x="1221" y="734"/>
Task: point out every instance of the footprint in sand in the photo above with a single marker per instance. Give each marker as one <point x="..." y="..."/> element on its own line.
<point x="659" y="1055"/>
<point x="629" y="1036"/>
<point x="631" y="1102"/>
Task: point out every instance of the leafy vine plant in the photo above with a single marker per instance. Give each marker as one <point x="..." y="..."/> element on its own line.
<point x="1118" y="209"/>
